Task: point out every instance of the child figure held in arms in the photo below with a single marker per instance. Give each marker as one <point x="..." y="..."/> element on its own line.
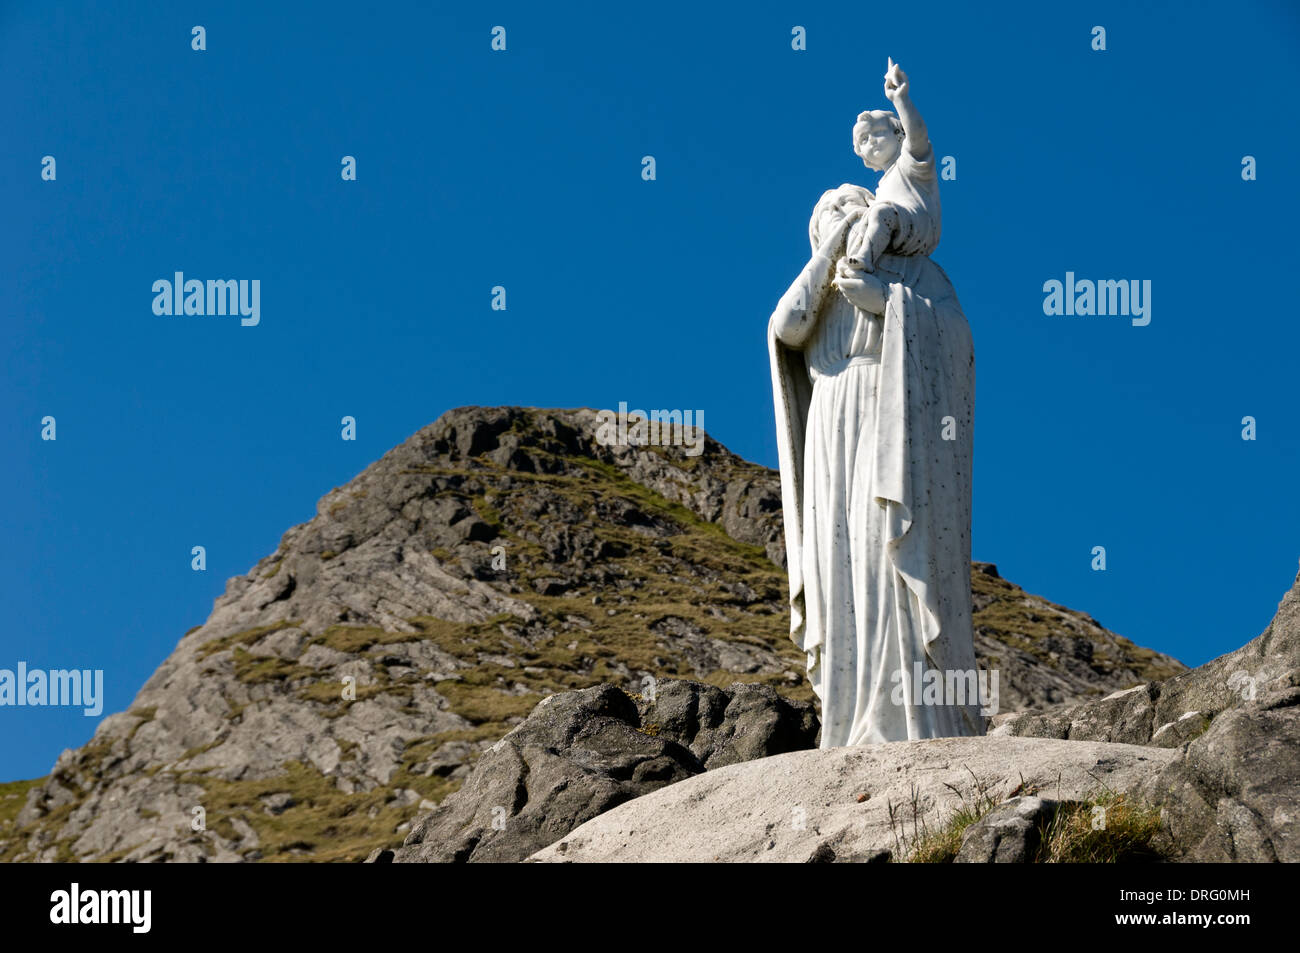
<point x="904" y="218"/>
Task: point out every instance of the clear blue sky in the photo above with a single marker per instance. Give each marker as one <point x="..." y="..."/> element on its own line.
<point x="523" y="169"/>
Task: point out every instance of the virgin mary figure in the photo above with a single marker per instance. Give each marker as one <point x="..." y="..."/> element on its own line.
<point x="873" y="378"/>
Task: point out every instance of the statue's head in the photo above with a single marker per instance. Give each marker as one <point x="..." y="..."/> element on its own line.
<point x="877" y="138"/>
<point x="832" y="208"/>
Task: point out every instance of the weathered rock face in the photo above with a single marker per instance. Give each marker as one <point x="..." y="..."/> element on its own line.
<point x="1234" y="793"/>
<point x="845" y="804"/>
<point x="345" y="685"/>
<point x="580" y="753"/>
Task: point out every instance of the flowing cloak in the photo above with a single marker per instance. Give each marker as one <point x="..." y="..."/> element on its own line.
<point x="927" y="375"/>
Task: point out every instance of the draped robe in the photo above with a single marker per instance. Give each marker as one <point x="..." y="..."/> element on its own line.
<point x="876" y="501"/>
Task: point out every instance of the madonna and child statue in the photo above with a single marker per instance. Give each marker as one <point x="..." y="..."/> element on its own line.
<point x="873" y="375"/>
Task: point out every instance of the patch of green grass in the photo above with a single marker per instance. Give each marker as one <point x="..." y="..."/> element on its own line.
<point x="330" y="691"/>
<point x="80" y="777"/>
<point x="924" y="846"/>
<point x="13" y="795"/>
<point x="145" y="715"/>
<point x="323" y="823"/>
<point x="478" y="703"/>
<point x="119" y="855"/>
<point x="261" y="669"/>
<point x="353" y="639"/>
<point x="488" y="513"/>
<point x="612" y="481"/>
<point x="1107" y="829"/>
<point x="325" y="691"/>
<point x="198" y="750"/>
<point x="244" y="638"/>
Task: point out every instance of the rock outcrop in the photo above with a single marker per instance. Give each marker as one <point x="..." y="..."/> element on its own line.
<point x="1264" y="672"/>
<point x="345" y="686"/>
<point x="845" y="804"/>
<point x="581" y="753"/>
<point x="1234" y="793"/>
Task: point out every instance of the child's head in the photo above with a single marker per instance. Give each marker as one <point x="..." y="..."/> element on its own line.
<point x="877" y="138"/>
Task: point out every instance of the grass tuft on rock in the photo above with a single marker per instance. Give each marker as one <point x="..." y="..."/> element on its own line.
<point x="1107" y="828"/>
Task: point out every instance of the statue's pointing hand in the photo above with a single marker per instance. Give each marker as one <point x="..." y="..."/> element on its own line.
<point x="895" y="81"/>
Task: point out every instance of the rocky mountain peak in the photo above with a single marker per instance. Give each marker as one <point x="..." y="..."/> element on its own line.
<point x="497" y="557"/>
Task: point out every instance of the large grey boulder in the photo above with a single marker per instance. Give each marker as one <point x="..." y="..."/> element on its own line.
<point x="581" y="753"/>
<point x="845" y="804"/>
<point x="1235" y="793"/>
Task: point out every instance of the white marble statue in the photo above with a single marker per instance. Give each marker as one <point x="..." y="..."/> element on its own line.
<point x="873" y="374"/>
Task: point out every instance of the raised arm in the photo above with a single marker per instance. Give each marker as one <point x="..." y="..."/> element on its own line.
<point x="896" y="89"/>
